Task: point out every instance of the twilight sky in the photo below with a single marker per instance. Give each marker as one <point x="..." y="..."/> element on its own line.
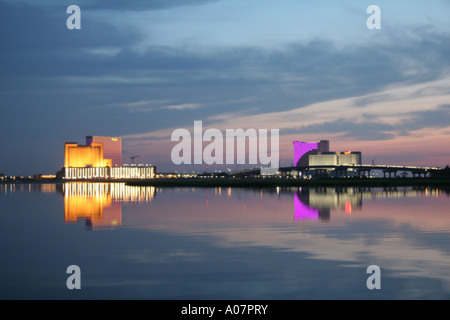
<point x="141" y="69"/>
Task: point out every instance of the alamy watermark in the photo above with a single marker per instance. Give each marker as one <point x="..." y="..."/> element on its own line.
<point x="374" y="281"/>
<point x="213" y="153"/>
<point x="374" y="21"/>
<point x="74" y="280"/>
<point x="74" y="20"/>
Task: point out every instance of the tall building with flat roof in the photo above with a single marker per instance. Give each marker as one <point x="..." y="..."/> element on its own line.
<point x="318" y="154"/>
<point x="112" y="148"/>
<point x="347" y="158"/>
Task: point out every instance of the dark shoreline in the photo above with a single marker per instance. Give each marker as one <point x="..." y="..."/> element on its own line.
<point x="265" y="182"/>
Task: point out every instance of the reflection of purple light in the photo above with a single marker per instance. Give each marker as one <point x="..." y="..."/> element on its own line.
<point x="300" y="148"/>
<point x="303" y="212"/>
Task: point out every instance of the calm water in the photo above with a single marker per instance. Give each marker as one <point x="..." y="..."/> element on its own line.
<point x="221" y="243"/>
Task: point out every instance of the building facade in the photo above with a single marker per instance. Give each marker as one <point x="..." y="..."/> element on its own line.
<point x="303" y="150"/>
<point x="112" y="148"/>
<point x="100" y="159"/>
<point x="347" y="158"/>
<point x="110" y="173"/>
<point x="76" y="155"/>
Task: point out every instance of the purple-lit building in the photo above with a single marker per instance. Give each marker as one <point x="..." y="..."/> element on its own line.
<point x="302" y="151"/>
<point x="318" y="154"/>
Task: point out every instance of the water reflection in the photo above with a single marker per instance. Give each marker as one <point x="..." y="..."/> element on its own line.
<point x="100" y="204"/>
<point x="228" y="242"/>
<point x="317" y="203"/>
<point x="6" y="188"/>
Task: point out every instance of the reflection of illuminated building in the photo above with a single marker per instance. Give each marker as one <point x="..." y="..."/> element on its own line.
<point x="93" y="203"/>
<point x="332" y="198"/>
<point x="316" y="204"/>
<point x="100" y="204"/>
<point x="100" y="159"/>
<point x="304" y="212"/>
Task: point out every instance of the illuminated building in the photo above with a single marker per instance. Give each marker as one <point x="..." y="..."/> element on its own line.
<point x="122" y="173"/>
<point x="89" y="162"/>
<point x="79" y="156"/>
<point x="302" y="151"/>
<point x="112" y="148"/>
<point x="318" y="154"/>
<point x="348" y="158"/>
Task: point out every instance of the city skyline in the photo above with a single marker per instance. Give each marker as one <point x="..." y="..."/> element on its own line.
<point x="141" y="70"/>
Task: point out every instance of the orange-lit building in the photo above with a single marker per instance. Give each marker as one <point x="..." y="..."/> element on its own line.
<point x="79" y="156"/>
<point x="112" y="148"/>
<point x="88" y="161"/>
